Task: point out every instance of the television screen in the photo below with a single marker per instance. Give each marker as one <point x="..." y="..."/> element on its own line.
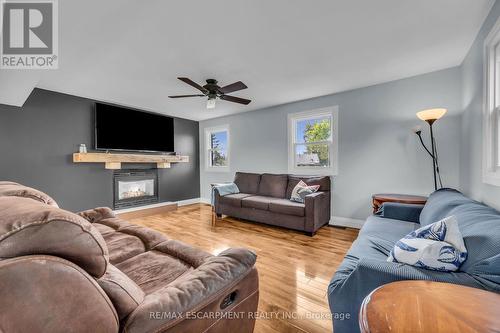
<point x="118" y="128"/>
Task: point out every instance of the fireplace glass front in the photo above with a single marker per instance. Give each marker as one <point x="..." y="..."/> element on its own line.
<point x="135" y="188"/>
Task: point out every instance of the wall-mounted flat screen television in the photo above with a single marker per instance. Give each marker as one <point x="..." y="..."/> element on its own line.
<point x="119" y="128"/>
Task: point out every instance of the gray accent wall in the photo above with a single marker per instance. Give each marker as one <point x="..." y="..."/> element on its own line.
<point x="472" y="131"/>
<point x="378" y="152"/>
<point x="37" y="142"/>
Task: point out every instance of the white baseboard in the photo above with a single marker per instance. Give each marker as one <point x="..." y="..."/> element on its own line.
<point x="134" y="209"/>
<point x="339" y="221"/>
<point x="161" y="204"/>
<point x="205" y="201"/>
<point x="188" y="202"/>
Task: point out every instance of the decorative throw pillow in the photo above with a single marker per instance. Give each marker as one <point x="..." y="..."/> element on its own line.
<point x="301" y="190"/>
<point x="438" y="246"/>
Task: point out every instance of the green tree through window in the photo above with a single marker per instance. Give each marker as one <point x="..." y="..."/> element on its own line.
<point x="217" y="150"/>
<point x="318" y="131"/>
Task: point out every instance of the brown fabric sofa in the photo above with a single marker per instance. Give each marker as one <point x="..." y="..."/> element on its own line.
<point x="94" y="272"/>
<point x="265" y="198"/>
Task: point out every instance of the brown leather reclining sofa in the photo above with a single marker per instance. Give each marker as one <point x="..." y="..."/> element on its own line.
<point x="265" y="198"/>
<point x="94" y="272"/>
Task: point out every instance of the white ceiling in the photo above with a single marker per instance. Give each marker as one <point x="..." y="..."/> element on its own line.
<point x="130" y="52"/>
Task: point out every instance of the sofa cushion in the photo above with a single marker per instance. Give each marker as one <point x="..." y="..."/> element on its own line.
<point x="153" y="270"/>
<point x="17" y="190"/>
<point x="103" y="229"/>
<point x="273" y="185"/>
<point x="374" y="243"/>
<point x="256" y="202"/>
<point x="146" y="256"/>
<point x="293" y="180"/>
<point x="202" y="291"/>
<point x="287" y="207"/>
<point x="126" y="240"/>
<point x="440" y="204"/>
<point x="378" y="236"/>
<point x="122" y="246"/>
<point x="234" y="199"/>
<point x="166" y="262"/>
<point x="123" y="292"/>
<point x="29" y="227"/>
<point x="480" y="228"/>
<point x="247" y="182"/>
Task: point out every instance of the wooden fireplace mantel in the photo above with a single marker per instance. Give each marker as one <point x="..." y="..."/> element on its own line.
<point x="114" y="161"/>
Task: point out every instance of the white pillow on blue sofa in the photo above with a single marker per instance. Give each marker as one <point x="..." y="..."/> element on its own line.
<point x="438" y="246"/>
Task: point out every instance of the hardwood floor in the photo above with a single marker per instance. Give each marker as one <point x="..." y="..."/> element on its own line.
<point x="294" y="269"/>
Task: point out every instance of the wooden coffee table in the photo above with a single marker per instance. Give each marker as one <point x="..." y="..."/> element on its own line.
<point x="380" y="198"/>
<point x="422" y="306"/>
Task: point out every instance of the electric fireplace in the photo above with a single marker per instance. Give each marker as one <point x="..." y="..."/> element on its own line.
<point x="135" y="188"/>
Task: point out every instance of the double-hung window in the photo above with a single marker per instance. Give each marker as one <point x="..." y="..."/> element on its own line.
<point x="217" y="148"/>
<point x="491" y="113"/>
<point x="313" y="142"/>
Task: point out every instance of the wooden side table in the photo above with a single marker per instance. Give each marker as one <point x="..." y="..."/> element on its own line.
<point x="423" y="306"/>
<point x="380" y="198"/>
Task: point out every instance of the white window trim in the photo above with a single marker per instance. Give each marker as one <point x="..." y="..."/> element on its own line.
<point x="491" y="128"/>
<point x="208" y="132"/>
<point x="332" y="112"/>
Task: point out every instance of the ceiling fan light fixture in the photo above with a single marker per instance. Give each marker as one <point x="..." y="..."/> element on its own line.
<point x="213" y="91"/>
<point x="211" y="103"/>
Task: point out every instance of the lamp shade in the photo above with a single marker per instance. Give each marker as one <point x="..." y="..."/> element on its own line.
<point x="431" y="114"/>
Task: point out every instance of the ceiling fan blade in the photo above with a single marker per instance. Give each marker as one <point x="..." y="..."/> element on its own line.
<point x="235" y="99"/>
<point x="193" y="84"/>
<point x="182" y="96"/>
<point x="233" y="87"/>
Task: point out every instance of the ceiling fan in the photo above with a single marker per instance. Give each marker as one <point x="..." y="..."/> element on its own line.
<point x="213" y="91"/>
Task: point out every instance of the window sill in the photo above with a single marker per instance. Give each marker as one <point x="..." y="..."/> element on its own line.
<point x="491" y="178"/>
<point x="313" y="171"/>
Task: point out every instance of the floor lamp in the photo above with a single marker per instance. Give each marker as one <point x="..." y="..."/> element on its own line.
<point x="430" y="116"/>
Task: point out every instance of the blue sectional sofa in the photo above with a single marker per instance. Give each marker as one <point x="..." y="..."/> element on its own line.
<point x="365" y="267"/>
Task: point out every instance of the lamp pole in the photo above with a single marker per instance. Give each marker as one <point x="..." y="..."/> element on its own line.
<point x="431" y="121"/>
<point x="430" y="116"/>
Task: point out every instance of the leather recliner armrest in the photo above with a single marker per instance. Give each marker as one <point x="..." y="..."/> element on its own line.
<point x="97" y="214"/>
<point x="224" y="283"/>
<point x="47" y="294"/>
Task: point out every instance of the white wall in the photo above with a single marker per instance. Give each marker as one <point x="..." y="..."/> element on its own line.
<point x="378" y="152"/>
<point x="471" y="142"/>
